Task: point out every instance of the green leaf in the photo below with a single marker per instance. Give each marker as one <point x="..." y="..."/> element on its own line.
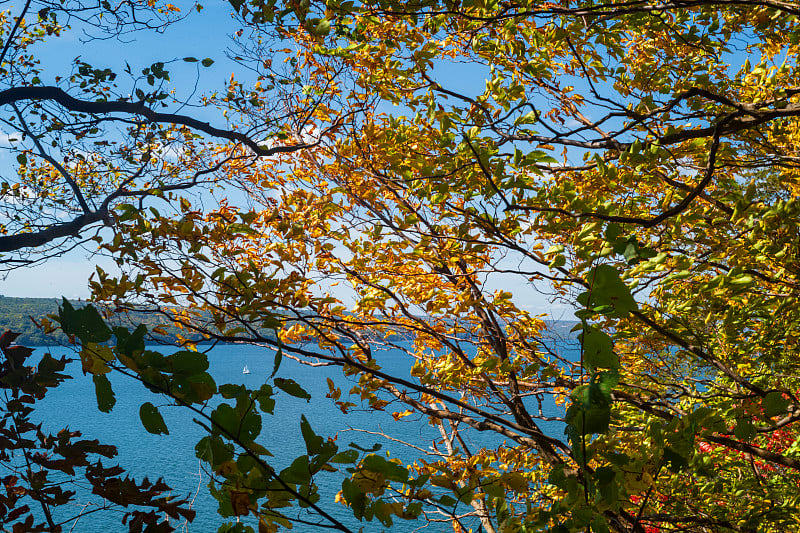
<point x="95" y="358"/>
<point x="598" y="349"/>
<point x="226" y="419"/>
<point x="775" y="404"/>
<point x="299" y="472"/>
<point x="605" y="382"/>
<point x="375" y="447"/>
<point x="674" y="460"/>
<point x="467" y="494"/>
<point x="85" y="323"/>
<point x="630" y="250"/>
<point x="277" y="363"/>
<point x="207" y="62"/>
<point x="347" y="456"/>
<point x="613" y="231"/>
<point x="250" y="427"/>
<point x="214" y="450"/>
<point x="355" y="498"/>
<point x="391" y="470"/>
<point x="152" y="420"/>
<point x="744" y="430"/>
<point x="229" y="390"/>
<point x="290" y="386"/>
<point x="203" y="387"/>
<point x="313" y="441"/>
<point x="607" y="485"/>
<point x="322" y="28"/>
<point x="129" y="343"/>
<point x="188" y="362"/>
<point x="190" y="59"/>
<point x="264" y="397"/>
<point x="599" y="524"/>
<point x="235" y="527"/>
<point x="608" y="293"/>
<point x="590" y="411"/>
<point x="492" y="489"/>
<point x="447" y="500"/>
<point x="584" y="420"/>
<point x="104" y="393"/>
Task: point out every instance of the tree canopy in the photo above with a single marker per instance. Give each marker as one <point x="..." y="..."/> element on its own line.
<point x="380" y="179"/>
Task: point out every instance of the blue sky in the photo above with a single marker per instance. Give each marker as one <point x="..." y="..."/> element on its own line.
<point x="202" y="35"/>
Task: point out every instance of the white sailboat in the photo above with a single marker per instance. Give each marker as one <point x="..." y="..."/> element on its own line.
<point x="245" y="370"/>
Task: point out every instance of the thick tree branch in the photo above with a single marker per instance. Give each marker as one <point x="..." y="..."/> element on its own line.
<point x="10" y="243"/>
<point x="50" y="159"/>
<point x="772" y="457"/>
<point x="58" y="95"/>
<point x="10" y="37"/>
<point x="661" y="217"/>
<point x="601" y="10"/>
<point x="34" y="239"/>
<point x="699" y="352"/>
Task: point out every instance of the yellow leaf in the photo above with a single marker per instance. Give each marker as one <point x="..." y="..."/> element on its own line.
<point x="95" y="359"/>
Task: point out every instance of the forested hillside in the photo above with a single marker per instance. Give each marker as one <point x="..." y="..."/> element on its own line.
<point x="19" y="314"/>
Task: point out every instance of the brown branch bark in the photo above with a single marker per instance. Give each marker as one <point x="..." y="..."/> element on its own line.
<point x="772" y="457"/>
<point x="61" y="97"/>
<point x="19" y="241"/>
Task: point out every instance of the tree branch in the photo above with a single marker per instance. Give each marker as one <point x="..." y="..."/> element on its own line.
<point x="10" y="243"/>
<point x="10" y="36"/>
<point x="58" y="95"/>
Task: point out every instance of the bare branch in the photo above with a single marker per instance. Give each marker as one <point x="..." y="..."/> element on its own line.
<point x="58" y="95"/>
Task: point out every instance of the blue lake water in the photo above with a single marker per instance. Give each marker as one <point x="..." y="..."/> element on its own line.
<point x="172" y="456"/>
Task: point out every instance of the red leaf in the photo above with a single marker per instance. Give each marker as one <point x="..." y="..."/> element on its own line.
<point x="7" y="338"/>
<point x="16" y="513"/>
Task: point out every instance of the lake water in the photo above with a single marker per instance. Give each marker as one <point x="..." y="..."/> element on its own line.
<point x="172" y="456"/>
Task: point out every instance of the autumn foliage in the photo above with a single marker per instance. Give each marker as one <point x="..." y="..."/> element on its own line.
<point x="394" y="180"/>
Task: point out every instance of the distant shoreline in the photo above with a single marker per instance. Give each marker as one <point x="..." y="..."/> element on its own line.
<point x="16" y="314"/>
